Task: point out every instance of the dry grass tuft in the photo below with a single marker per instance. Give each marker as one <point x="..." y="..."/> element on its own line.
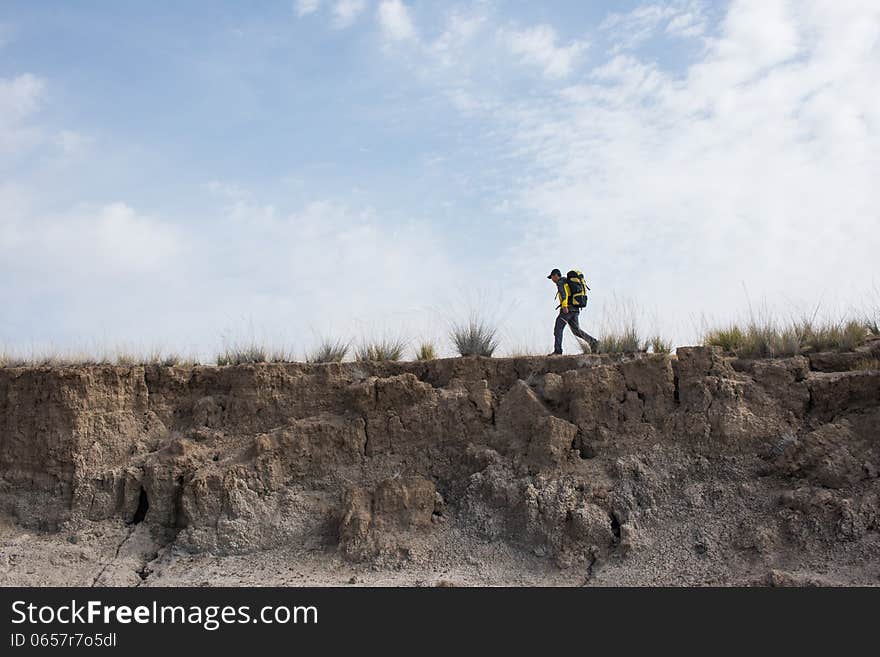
<point x="426" y="351"/>
<point x="659" y="345"/>
<point x="251" y="353"/>
<point x="474" y="338"/>
<point x="389" y="349"/>
<point x="625" y="340"/>
<point x="329" y="351"/>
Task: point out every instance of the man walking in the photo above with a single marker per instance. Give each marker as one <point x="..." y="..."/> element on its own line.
<point x="570" y="304"/>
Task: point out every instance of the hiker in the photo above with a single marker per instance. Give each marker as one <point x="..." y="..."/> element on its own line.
<point x="572" y="293"/>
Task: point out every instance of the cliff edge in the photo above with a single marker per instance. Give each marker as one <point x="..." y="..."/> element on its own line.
<point x="644" y="469"/>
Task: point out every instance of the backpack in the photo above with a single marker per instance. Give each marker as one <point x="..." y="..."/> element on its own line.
<point x="578" y="287"/>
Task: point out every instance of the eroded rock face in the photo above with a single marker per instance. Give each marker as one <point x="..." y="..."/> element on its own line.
<point x="831" y="457"/>
<point x="388" y="520"/>
<point x="580" y="459"/>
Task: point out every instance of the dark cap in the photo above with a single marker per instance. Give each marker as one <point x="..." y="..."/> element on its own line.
<point x="555" y="272"/>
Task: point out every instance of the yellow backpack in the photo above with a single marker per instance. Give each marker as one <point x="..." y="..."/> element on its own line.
<point x="578" y="288"/>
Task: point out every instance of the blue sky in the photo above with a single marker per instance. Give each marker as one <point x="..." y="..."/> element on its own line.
<point x="180" y="174"/>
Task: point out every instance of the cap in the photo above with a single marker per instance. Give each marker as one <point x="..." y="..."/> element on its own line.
<point x="555" y="272"/>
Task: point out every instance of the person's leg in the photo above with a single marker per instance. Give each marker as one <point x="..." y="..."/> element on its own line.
<point x="574" y="324"/>
<point x="557" y="333"/>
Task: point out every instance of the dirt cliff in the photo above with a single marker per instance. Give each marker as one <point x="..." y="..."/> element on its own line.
<point x="693" y="468"/>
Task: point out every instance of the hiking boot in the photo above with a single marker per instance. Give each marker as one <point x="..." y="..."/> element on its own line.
<point x="555" y="353"/>
<point x="594" y="346"/>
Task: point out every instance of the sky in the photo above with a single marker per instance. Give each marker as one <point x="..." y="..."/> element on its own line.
<point x="188" y="175"/>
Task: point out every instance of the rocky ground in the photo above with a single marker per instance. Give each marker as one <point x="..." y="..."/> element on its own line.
<point x="691" y="469"/>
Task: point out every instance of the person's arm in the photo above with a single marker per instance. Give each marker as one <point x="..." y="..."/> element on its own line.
<point x="564" y="294"/>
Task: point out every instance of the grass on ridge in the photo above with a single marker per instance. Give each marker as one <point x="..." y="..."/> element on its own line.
<point x="329" y="351"/>
<point x="388" y="349"/>
<point x="659" y="345"/>
<point x="768" y="339"/>
<point x="474" y="337"/>
<point x="426" y="351"/>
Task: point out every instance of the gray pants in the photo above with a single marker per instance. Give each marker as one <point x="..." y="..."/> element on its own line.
<point x="571" y="318"/>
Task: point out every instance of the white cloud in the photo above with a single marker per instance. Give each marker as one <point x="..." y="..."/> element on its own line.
<point x="682" y="18"/>
<point x="345" y="12"/>
<point x="460" y="30"/>
<point x="90" y="276"/>
<point x="133" y="242"/>
<point x="326" y="269"/>
<point x="464" y="47"/>
<point x="395" y="21"/>
<point x="755" y="36"/>
<point x="20" y="97"/>
<point x="538" y="46"/>
<point x="306" y="7"/>
<point x="687" y="24"/>
<point x="112" y="240"/>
